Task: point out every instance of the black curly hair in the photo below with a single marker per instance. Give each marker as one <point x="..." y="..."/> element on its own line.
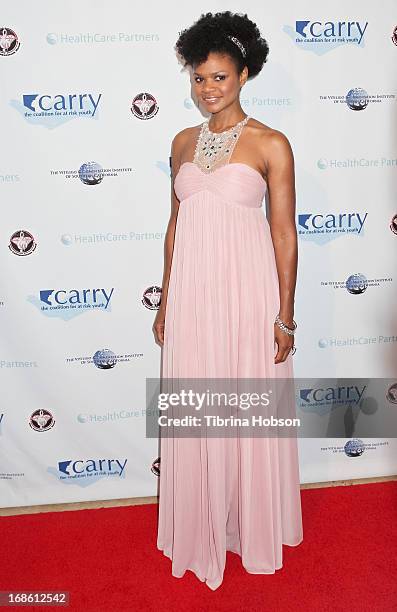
<point x="209" y="34"/>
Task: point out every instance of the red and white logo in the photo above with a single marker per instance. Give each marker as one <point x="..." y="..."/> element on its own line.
<point x="144" y="106"/>
<point x="9" y="43"/>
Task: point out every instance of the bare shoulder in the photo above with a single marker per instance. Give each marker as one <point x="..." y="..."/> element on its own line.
<point x="182" y="139"/>
<point x="270" y="142"/>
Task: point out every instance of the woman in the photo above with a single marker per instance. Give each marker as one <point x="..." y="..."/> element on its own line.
<point x="227" y="311"/>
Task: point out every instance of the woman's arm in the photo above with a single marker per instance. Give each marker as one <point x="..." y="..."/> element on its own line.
<point x="281" y="184"/>
<point x="158" y="326"/>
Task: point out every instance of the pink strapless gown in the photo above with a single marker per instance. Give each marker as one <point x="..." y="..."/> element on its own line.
<point x="219" y="494"/>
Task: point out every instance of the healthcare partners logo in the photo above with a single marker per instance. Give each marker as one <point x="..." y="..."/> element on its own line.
<point x="322" y="227"/>
<point x="357" y="98"/>
<point x="354" y="162"/>
<point x="356" y="284"/>
<point x="9" y="178"/>
<point x="51" y="110"/>
<point x="358" y="341"/>
<point x="95" y="418"/>
<point x="84" y="472"/>
<point x="105" y="359"/>
<point x="275" y="103"/>
<point x="17" y="363"/>
<point x="323" y="36"/>
<point x="90" y="173"/>
<point x="9" y="43"/>
<point x="100" y="38"/>
<point x="106" y="238"/>
<point x="68" y="303"/>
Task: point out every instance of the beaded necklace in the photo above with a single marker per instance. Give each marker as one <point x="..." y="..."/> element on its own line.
<point x="215" y="149"/>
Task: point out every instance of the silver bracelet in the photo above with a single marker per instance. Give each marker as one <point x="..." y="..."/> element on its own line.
<point x="286" y="329"/>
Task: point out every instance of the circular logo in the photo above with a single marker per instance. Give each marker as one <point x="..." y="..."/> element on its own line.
<point x="144" y="106"/>
<point x="52" y="38"/>
<point x="22" y="243"/>
<point x="41" y="420"/>
<point x="152" y="297"/>
<point x="394" y="36"/>
<point x="357" y="99"/>
<point x="105" y="359"/>
<point x="356" y="284"/>
<point x="82" y="418"/>
<point x="391" y="394"/>
<point x="9" y="42"/>
<point x="156" y="467"/>
<point x="393" y="225"/>
<point x="322" y="164"/>
<point x="66" y="239"/>
<point x="91" y="173"/>
<point x="323" y="343"/>
<point x="354" y="448"/>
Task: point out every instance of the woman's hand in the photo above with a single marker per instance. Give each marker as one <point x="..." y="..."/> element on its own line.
<point x="158" y="327"/>
<point x="284" y="341"/>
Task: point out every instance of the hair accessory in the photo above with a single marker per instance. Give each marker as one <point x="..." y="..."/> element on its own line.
<point x="239" y="45"/>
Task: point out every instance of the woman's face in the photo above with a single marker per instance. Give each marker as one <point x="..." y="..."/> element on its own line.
<point x="216" y="82"/>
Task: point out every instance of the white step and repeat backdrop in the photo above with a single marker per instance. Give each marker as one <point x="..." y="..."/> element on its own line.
<point x="92" y="95"/>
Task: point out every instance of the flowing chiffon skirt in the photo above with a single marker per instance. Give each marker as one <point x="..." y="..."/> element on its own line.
<point x="218" y="494"/>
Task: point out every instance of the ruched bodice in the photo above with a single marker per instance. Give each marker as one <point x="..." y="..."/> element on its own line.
<point x="236" y="183"/>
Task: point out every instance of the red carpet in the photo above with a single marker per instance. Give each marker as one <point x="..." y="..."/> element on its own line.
<point x="107" y="559"/>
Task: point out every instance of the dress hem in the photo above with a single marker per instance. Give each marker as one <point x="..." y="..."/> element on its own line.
<point x="213" y="586"/>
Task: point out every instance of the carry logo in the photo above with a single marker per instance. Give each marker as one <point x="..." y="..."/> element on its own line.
<point x="85" y="472"/>
<point x="323" y="36"/>
<point x="323" y="399"/>
<point x="323" y="227"/>
<point x="66" y="304"/>
<point x="52" y="110"/>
